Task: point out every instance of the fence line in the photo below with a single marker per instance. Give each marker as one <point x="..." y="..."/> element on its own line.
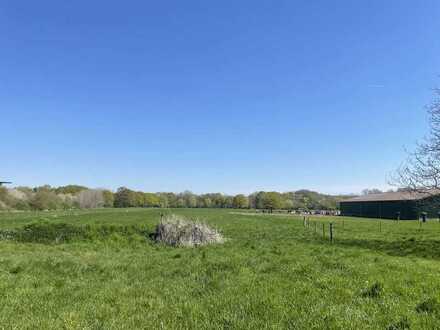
<point x="358" y="228"/>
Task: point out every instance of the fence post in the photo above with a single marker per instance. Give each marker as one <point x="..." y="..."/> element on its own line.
<point x="323" y="230"/>
<point x="380" y="226"/>
<point x="331" y="231"/>
<point x="315" y="227"/>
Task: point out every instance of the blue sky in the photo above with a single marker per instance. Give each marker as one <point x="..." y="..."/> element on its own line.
<point x="229" y="96"/>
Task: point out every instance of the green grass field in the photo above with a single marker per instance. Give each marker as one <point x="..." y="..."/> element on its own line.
<point x="271" y="273"/>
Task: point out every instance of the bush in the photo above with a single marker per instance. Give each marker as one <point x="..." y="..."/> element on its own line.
<point x="52" y="233"/>
<point x="45" y="232"/>
<point x="176" y="231"/>
<point x="45" y="199"/>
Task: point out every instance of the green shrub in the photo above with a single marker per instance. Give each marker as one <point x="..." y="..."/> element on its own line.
<point x="48" y="233"/>
<point x="45" y="232"/>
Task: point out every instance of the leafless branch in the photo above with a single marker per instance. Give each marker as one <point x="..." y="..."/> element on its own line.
<point x="421" y="171"/>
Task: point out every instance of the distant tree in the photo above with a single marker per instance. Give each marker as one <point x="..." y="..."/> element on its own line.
<point x="109" y="198"/>
<point x="252" y="201"/>
<point x="371" y="191"/>
<point x="287" y="204"/>
<point x="180" y="203"/>
<point x="125" y="197"/>
<point x="139" y="199"/>
<point x="259" y="199"/>
<point x="171" y="198"/>
<point x="151" y="200"/>
<point x="28" y="191"/>
<point x="163" y="200"/>
<point x="204" y="201"/>
<point x="207" y="202"/>
<point x="45" y="199"/>
<point x="45" y="188"/>
<point x="91" y="198"/>
<point x="6" y="201"/>
<point x="218" y="200"/>
<point x="68" y="201"/>
<point x="228" y="202"/>
<point x="70" y="189"/>
<point x="240" y="202"/>
<point x="272" y="200"/>
<point x="190" y="199"/>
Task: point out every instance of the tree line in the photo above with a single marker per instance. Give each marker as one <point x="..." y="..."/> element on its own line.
<point x="75" y="196"/>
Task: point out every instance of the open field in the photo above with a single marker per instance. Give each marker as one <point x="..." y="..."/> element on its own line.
<point x="271" y="273"/>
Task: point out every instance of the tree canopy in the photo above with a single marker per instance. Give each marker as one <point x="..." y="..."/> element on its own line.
<point x="75" y="196"/>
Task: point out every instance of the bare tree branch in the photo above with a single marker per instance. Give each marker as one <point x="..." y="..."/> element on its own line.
<point x="420" y="173"/>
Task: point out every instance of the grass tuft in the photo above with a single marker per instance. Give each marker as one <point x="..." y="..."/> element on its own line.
<point x="374" y="291"/>
<point x="429" y="306"/>
<point x="402" y="324"/>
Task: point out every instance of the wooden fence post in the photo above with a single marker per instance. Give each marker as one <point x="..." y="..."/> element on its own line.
<point x="331" y="231"/>
<point x="323" y="230"/>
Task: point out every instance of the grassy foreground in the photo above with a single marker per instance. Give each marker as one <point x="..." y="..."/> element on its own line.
<point x="273" y="272"/>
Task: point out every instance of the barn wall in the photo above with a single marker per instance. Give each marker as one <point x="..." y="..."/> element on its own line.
<point x="381" y="209"/>
<point x="429" y="205"/>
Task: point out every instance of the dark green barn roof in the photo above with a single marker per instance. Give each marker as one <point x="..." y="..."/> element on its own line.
<point x="391" y="196"/>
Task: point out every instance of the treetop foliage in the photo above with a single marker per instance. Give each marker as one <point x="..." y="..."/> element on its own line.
<point x="76" y="196"/>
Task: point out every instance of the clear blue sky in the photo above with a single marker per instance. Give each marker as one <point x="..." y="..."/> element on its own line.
<point x="229" y="96"/>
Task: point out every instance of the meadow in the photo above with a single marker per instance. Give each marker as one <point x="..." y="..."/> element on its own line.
<point x="100" y="269"/>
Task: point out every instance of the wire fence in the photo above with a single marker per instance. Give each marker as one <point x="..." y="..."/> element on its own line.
<point x="332" y="229"/>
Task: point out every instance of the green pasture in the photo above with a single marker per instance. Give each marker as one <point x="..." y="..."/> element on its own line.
<point x="100" y="269"/>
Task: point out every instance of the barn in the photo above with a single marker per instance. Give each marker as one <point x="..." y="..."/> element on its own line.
<point x="391" y="205"/>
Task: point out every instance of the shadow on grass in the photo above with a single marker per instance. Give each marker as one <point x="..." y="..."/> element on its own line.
<point x="429" y="249"/>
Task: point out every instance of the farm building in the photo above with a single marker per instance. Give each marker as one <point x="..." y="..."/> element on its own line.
<point x="403" y="204"/>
